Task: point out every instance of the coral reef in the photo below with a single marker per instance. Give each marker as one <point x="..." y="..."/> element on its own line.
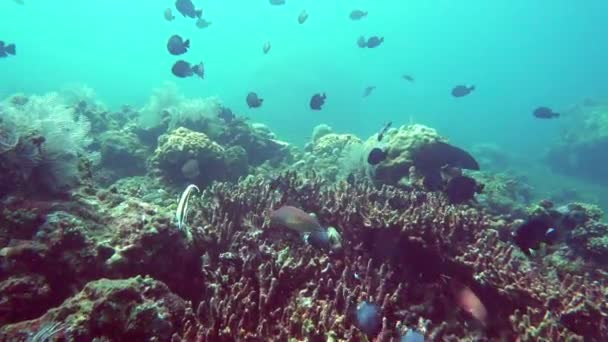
<point x="334" y="156"/>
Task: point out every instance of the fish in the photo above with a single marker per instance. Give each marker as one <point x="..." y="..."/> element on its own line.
<point x="462" y="90"/>
<point x="470" y="303"/>
<point x="368" y="91"/>
<point x="376" y="156"/>
<point x="434" y="156"/>
<point x="295" y="219"/>
<point x="177" y="45"/>
<point x="302" y="17"/>
<point x="384" y="130"/>
<point x="266" y="47"/>
<point x="361" y="42"/>
<point x="461" y="189"/>
<point x="186" y="8"/>
<point x="226" y="114"/>
<point x="168" y="14"/>
<point x="357" y="14"/>
<point x="374" y="41"/>
<point x="20" y="2"/>
<point x="277" y="2"/>
<point x="202" y="23"/>
<point x="412" y="336"/>
<point x="6" y="50"/>
<point x="368" y="318"/>
<point x="184" y="69"/>
<point x="253" y="100"/>
<point x="408" y="77"/>
<point x="545" y="113"/>
<point x="182" y="206"/>
<point x="532" y="233"/>
<point x="319" y="239"/>
<point x="317" y="101"/>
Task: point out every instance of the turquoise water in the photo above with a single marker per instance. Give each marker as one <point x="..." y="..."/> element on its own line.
<point x="519" y="53"/>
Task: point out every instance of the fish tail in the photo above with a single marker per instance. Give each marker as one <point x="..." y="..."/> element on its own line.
<point x="472" y="87"/>
<point x="556" y="115"/>
<point x="10" y="49"/>
<point x="187" y="43"/>
<point x="199" y="13"/>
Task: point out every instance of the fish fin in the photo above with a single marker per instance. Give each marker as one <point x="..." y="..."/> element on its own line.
<point x="555" y="115"/>
<point x="10" y="49"/>
<point x="198" y="13"/>
<point x="472" y="87"/>
<point x="187" y="43"/>
<point x="261" y="100"/>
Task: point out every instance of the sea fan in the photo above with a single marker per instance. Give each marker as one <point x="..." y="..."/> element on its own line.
<point x="9" y="135"/>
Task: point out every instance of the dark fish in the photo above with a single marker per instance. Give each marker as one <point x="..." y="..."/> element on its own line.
<point x="376" y="156"/>
<point x="295" y="219"/>
<point x="545" y="113"/>
<point x="6" y="50"/>
<point x="368" y="318"/>
<point x="177" y="45"/>
<point x="412" y="336"/>
<point x="266" y="47"/>
<point x="302" y="17"/>
<point x="202" y="23"/>
<point x="184" y="69"/>
<point x="277" y="2"/>
<point x="532" y="233"/>
<point x="374" y="41"/>
<point x="253" y="101"/>
<point x="317" y="101"/>
<point x="368" y="91"/>
<point x="384" y="130"/>
<point x="357" y="14"/>
<point x="319" y="239"/>
<point x="226" y="114"/>
<point x="168" y="15"/>
<point x="361" y="42"/>
<point x="20" y="2"/>
<point x="186" y="8"/>
<point x="461" y="189"/>
<point x="408" y="78"/>
<point x="462" y="90"/>
<point x="351" y="179"/>
<point x="438" y="154"/>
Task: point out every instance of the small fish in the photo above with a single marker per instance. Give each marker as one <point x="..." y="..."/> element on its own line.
<point x="368" y="318"/>
<point x="374" y="41"/>
<point x="368" y="91"/>
<point x="462" y="90"/>
<point x="253" y="100"/>
<point x="412" y="336"/>
<point x="184" y="69"/>
<point x="186" y="8"/>
<point x="266" y="47"/>
<point x="532" y="233"/>
<point x="295" y="219"/>
<point x="408" y="77"/>
<point x="177" y="45"/>
<point x="226" y="114"/>
<point x="376" y="156"/>
<point x="461" y="189"/>
<point x="361" y="42"/>
<point x="357" y="14"/>
<point x="168" y="14"/>
<point x="317" y="101"/>
<point x="384" y="130"/>
<point x="319" y="239"/>
<point x="202" y="23"/>
<point x="19" y="2"/>
<point x="277" y="2"/>
<point x="545" y="113"/>
<point x="302" y="17"/>
<point x="6" y="50"/>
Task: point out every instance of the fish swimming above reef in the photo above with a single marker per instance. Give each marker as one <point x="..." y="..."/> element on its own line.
<point x="407" y="77"/>
<point x="368" y="91"/>
<point x="368" y="318"/>
<point x="462" y="90"/>
<point x="184" y="69"/>
<point x="302" y="17"/>
<point x="177" y="45"/>
<point x="374" y="41"/>
<point x="168" y="14"/>
<point x="6" y="50"/>
<point x="266" y="47"/>
<point x="361" y="42"/>
<point x="376" y="156"/>
<point x="277" y="2"/>
<point x="226" y="115"/>
<point x="545" y="113"/>
<point x="253" y="100"/>
<point x="435" y="155"/>
<point x="461" y="189"/>
<point x="357" y="14"/>
<point x="202" y="23"/>
<point x="317" y="101"/>
<point x="384" y="130"/>
<point x="295" y="219"/>
<point x="187" y="9"/>
<point x="532" y="233"/>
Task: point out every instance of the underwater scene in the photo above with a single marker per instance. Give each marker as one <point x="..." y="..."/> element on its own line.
<point x="303" y="170"/>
